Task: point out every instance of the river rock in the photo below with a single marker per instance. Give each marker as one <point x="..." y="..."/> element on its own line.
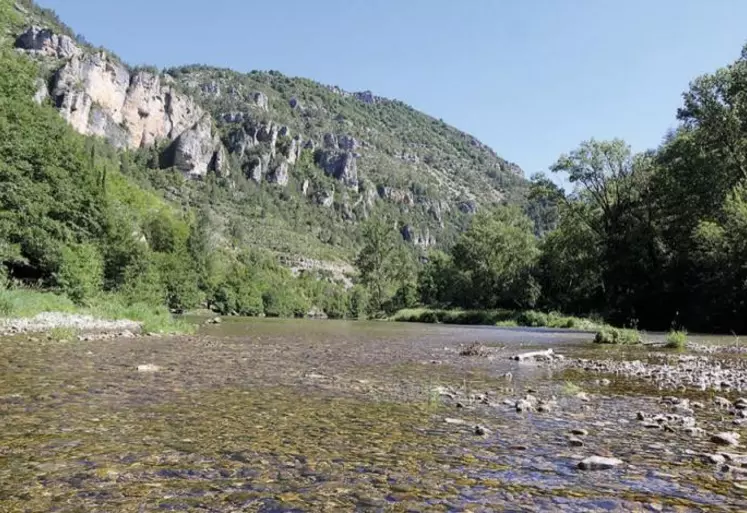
<point x="599" y="463"/>
<point x="481" y="431"/>
<point x="575" y="442"/>
<point x="716" y="459"/>
<point x="522" y="405"/>
<point x="728" y="438"/>
<point x="722" y="402"/>
<point x="148" y="367"/>
<point x="579" y="432"/>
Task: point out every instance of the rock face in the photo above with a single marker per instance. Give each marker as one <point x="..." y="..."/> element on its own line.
<point x="198" y="150"/>
<point x="44" y="42"/>
<point x="280" y="175"/>
<point x="99" y="96"/>
<point x="340" y="165"/>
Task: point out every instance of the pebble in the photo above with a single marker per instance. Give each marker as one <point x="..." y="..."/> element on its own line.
<point x="599" y="463"/>
<point x="583" y="396"/>
<point x="523" y="405"/>
<point x="729" y="438"/>
<point x="716" y="459"/>
<point x="722" y="402"/>
<point x="482" y="431"/>
<point x="148" y="367"/>
<point x="456" y="422"/>
<point x="575" y="442"/>
<point x="580" y="432"/>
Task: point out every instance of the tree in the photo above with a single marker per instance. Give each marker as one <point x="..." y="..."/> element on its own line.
<point x="494" y="259"/>
<point x="377" y="261"/>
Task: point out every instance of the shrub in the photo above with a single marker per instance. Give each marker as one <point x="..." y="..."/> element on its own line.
<point x="81" y="272"/>
<point x="677" y="339"/>
<point x="533" y="319"/>
<point x="617" y="336"/>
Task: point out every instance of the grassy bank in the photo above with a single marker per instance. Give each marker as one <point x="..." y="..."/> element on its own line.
<point x="506" y="318"/>
<point x="24" y="303"/>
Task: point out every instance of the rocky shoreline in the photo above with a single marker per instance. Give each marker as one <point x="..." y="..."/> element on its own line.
<point x="48" y="321"/>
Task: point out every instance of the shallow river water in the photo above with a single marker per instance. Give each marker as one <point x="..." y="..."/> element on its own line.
<point x="281" y="416"/>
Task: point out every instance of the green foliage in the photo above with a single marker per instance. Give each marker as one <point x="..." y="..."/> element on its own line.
<point x="81" y="272"/>
<point x="380" y="262"/>
<point x="676" y="339"/>
<point x="490" y="265"/>
<point x="617" y="336"/>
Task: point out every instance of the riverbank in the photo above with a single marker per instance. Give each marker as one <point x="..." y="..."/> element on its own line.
<point x="504" y="318"/>
<point x="32" y="311"/>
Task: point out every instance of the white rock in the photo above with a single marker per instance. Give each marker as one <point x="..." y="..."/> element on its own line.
<point x="599" y="463"/>
<point x="148" y="367"/>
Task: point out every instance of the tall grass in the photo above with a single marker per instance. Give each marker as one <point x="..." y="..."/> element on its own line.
<point x="21" y="303"/>
<point x="618" y="336"/>
<point x="677" y="339"/>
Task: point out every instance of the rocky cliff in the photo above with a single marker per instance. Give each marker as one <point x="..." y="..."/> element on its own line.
<point x="100" y="96"/>
<point x="342" y="152"/>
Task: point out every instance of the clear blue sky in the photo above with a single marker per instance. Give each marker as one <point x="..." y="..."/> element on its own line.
<point x="531" y="78"/>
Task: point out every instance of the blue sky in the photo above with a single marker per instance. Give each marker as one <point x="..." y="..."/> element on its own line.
<point x="531" y="78"/>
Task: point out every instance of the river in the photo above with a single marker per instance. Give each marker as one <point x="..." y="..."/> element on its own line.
<point x="281" y="416"/>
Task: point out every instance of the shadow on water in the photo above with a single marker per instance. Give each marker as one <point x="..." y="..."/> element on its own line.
<point x="272" y="415"/>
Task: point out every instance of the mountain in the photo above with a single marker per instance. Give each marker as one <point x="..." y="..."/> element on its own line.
<point x="283" y="163"/>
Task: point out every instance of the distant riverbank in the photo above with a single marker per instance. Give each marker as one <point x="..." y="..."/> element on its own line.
<point x="504" y="318"/>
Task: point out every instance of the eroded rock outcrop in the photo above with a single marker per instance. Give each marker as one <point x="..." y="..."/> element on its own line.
<point x="99" y="96"/>
<point x="42" y="41"/>
<point x="198" y="150"/>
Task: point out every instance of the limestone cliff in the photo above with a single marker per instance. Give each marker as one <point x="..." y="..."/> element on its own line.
<point x="100" y="96"/>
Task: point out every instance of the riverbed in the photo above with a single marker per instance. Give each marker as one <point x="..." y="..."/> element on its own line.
<point x="281" y="416"/>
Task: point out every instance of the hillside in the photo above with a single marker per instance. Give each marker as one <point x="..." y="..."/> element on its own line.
<point x="283" y="163"/>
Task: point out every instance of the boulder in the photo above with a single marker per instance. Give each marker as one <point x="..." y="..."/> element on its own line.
<point x="330" y="141"/>
<point x="340" y="165"/>
<point x="468" y="207"/>
<point x="326" y="198"/>
<point x="279" y="175"/>
<point x="348" y="143"/>
<point x="260" y="100"/>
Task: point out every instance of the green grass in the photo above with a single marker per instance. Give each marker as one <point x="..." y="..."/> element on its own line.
<point x="66" y="334"/>
<point x="502" y="318"/>
<point x="617" y="336"/>
<point x="29" y="302"/>
<point x="21" y="303"/>
<point x="676" y="339"/>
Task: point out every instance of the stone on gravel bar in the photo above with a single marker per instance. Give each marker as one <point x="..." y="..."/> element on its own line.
<point x="728" y="438"/>
<point x="599" y="463"/>
<point x="148" y="367"/>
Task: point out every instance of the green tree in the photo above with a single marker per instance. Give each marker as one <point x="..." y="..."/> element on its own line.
<point x="494" y="259"/>
<point x="377" y="261"/>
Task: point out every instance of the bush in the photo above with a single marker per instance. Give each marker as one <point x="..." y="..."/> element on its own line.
<point x="533" y="319"/>
<point x="81" y="272"/>
<point x="358" y="302"/>
<point x="617" y="336"/>
<point x="677" y="339"/>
